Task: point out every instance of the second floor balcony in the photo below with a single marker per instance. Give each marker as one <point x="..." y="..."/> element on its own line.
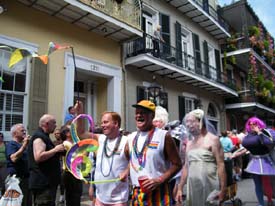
<point x="150" y="54"/>
<point x="114" y="19"/>
<point x="252" y="102"/>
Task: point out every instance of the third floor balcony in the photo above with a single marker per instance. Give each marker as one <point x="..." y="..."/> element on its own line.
<point x="177" y="65"/>
<point x="205" y="14"/>
<point x="239" y="47"/>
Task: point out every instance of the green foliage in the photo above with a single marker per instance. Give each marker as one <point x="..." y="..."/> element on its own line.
<point x="269" y="85"/>
<point x="254" y="31"/>
<point x="233" y="59"/>
<point x="260" y="81"/>
<point x="266" y="44"/>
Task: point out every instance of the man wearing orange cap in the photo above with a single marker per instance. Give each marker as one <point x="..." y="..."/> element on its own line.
<point x="153" y="157"/>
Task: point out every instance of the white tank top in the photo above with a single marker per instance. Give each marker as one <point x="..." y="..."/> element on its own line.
<point x="110" y="168"/>
<point x="155" y="164"/>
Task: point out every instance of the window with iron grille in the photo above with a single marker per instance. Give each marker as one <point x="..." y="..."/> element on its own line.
<point x="161" y="100"/>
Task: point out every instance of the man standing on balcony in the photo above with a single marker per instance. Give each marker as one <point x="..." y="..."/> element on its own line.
<point x="157" y="41"/>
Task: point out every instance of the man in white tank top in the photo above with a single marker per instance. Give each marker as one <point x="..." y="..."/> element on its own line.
<point x="153" y="154"/>
<point x="111" y="160"/>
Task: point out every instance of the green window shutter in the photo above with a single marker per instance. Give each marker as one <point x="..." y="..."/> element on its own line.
<point x="178" y="44"/>
<point x="197" y="53"/>
<point x="141" y="93"/>
<point x="218" y="65"/>
<point x="38" y="98"/>
<point x="165" y="32"/>
<point x="206" y="59"/>
<point x="181" y="107"/>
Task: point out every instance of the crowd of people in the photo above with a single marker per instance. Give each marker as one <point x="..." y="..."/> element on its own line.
<point x="153" y="164"/>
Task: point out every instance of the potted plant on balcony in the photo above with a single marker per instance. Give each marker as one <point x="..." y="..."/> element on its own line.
<point x="253" y="31"/>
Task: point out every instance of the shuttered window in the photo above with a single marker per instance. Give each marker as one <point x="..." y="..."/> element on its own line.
<point x="206" y="59"/>
<point x="12" y="91"/>
<point x="186" y="105"/>
<point x="38" y="93"/>
<point x="178" y="44"/>
<point x="143" y="93"/>
<point x="165" y="32"/>
<point x="181" y="108"/>
<point x="197" y="53"/>
<point x="218" y="65"/>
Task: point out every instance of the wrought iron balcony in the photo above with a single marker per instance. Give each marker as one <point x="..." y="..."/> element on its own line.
<point x="126" y="11"/>
<point x="240" y="46"/>
<point x="249" y="99"/>
<point x="202" y="13"/>
<point x="181" y="61"/>
<point x="119" y="20"/>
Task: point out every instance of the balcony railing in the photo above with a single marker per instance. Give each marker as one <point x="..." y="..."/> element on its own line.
<point x="234" y="43"/>
<point x="212" y="12"/>
<point x="239" y="41"/>
<point x="128" y="12"/>
<point x="186" y="62"/>
<point x="250" y="96"/>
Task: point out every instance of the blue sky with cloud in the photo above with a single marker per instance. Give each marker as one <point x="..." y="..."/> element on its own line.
<point x="264" y="10"/>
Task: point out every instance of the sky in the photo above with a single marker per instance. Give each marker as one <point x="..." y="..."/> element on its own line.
<point x="264" y="10"/>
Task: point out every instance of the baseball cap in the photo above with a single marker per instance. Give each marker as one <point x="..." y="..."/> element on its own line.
<point x="146" y="104"/>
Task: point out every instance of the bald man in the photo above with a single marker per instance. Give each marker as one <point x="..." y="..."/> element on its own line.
<point x="44" y="163"/>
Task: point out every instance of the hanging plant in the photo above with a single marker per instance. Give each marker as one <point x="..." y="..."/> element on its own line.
<point x="225" y="60"/>
<point x="252" y="73"/>
<point x="254" y="31"/>
<point x="266" y="45"/>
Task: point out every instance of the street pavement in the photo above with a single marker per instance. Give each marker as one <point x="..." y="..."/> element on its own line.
<point x="245" y="193"/>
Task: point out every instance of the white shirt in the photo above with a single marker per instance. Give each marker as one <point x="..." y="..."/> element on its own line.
<point x="109" y="168"/>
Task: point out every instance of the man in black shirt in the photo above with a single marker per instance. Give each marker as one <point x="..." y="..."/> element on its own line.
<point x="44" y="163"/>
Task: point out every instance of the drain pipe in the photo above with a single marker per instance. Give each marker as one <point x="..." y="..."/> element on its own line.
<point x="124" y="79"/>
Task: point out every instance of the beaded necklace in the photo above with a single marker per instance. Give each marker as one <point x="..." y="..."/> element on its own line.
<point x="115" y="148"/>
<point x="109" y="155"/>
<point x="141" y="155"/>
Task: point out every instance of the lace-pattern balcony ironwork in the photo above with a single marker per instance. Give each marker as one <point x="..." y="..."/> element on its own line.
<point x="127" y="11"/>
<point x="212" y="12"/>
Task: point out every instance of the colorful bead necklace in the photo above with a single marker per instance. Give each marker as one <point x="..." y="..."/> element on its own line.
<point x="141" y="155"/>
<point x="109" y="155"/>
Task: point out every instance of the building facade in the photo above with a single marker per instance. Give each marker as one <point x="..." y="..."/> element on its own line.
<point x="249" y="58"/>
<point x="91" y="71"/>
<point x="185" y="63"/>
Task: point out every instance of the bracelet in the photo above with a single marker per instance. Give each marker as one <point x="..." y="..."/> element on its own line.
<point x="160" y="178"/>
